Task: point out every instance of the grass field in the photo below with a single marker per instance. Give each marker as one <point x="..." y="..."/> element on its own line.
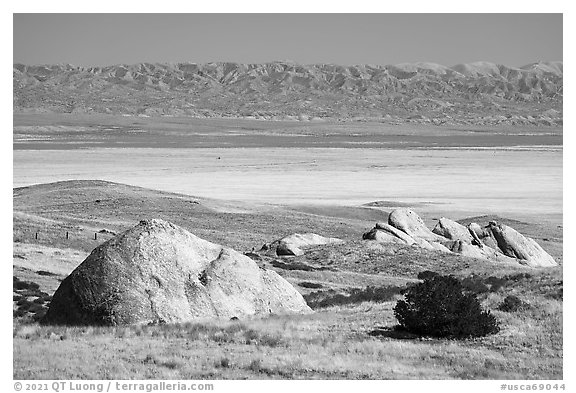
<point x="346" y="341"/>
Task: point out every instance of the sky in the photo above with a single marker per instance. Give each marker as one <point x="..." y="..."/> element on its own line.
<point x="447" y="39"/>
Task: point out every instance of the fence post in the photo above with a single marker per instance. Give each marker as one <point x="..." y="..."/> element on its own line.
<point x="95" y="236"/>
<point x="66" y="235"/>
<point x="36" y="237"/>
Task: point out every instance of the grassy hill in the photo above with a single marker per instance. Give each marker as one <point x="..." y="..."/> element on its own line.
<point x="349" y="336"/>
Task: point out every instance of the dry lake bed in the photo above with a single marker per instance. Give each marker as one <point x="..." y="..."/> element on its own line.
<point x="462" y="170"/>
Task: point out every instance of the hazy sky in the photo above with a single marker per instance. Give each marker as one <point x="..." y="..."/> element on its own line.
<point x="448" y="39"/>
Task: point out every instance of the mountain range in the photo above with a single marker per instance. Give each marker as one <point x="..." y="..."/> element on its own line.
<point x="473" y="93"/>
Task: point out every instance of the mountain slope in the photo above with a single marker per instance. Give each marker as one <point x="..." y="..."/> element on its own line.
<point x="283" y="90"/>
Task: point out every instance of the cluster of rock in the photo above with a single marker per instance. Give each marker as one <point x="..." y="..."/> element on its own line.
<point x="495" y="242"/>
<point x="158" y="272"/>
<point x="295" y="244"/>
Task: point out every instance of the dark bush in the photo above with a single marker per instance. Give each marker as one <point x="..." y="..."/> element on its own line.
<point x="518" y="276"/>
<point x="32" y="293"/>
<point x="474" y="284"/>
<point x="557" y="294"/>
<point x="224" y="363"/>
<point x="512" y="303"/>
<point x="311" y="285"/>
<point x="426" y="274"/>
<point x="39" y="315"/>
<point x="40" y="300"/>
<point x="45" y="273"/>
<point x="36" y="308"/>
<point x="438" y="307"/>
<point x="24" y="304"/>
<point x="19" y="285"/>
<point x="321" y="299"/>
<point x="495" y="283"/>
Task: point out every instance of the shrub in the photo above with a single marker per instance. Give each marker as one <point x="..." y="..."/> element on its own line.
<point x="558" y="294"/>
<point x="474" y="284"/>
<point x="36" y="308"/>
<point x="321" y="299"/>
<point x="45" y="273"/>
<point x="19" y="285"/>
<point x="518" y="276"/>
<point x="495" y="283"/>
<point x="426" y="274"/>
<point x="38" y="300"/>
<point x="224" y="363"/>
<point x="512" y="303"/>
<point x="438" y="307"/>
<point x="255" y="365"/>
<point x="171" y="364"/>
<point x="311" y="285"/>
<point x="251" y="336"/>
<point x="271" y="340"/>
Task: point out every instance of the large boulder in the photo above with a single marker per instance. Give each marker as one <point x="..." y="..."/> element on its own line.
<point x="515" y="245"/>
<point x="468" y="250"/>
<point x="452" y="230"/>
<point x="382" y="236"/>
<point x="158" y="272"/>
<point x="294" y="245"/>
<point x="479" y="252"/>
<point x="395" y="232"/>
<point x="410" y="223"/>
<point x="482" y="236"/>
<point x="432" y="246"/>
<point x="385" y="233"/>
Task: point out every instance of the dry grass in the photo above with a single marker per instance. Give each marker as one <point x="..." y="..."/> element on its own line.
<point x="338" y="341"/>
<point x="335" y="342"/>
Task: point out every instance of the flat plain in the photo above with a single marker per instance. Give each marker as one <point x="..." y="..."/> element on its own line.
<point x="243" y="183"/>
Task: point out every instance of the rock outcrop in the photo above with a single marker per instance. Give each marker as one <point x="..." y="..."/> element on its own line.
<point x="382" y="236"/>
<point x="410" y="223"/>
<point x="515" y="245"/>
<point x="294" y="245"/>
<point x="495" y="242"/>
<point x="405" y="227"/>
<point x="385" y="233"/>
<point x="482" y="236"/>
<point x="396" y="232"/>
<point x="480" y="252"/>
<point x="158" y="272"/>
<point x="432" y="246"/>
<point x="452" y="230"/>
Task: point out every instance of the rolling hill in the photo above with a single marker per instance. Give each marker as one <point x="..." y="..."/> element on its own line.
<point x="352" y="288"/>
